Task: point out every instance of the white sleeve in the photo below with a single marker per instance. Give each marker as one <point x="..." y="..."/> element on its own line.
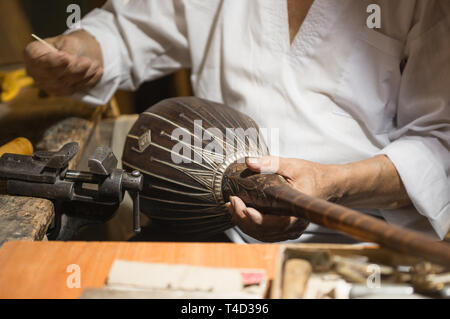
<point x="420" y="147"/>
<point x="140" y="41"/>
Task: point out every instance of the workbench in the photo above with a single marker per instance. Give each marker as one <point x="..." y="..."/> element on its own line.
<point x="49" y="123"/>
<point x="40" y="269"/>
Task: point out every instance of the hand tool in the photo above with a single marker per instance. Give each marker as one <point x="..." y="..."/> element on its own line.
<point x="80" y="198"/>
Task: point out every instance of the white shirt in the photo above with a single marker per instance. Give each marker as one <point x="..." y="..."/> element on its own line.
<point x="337" y="94"/>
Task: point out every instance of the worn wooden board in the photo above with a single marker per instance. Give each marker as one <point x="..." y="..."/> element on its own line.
<point x="23" y="218"/>
<point x="66" y="131"/>
<point x="41" y="269"/>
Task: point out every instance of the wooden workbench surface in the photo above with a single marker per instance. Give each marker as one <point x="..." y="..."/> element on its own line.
<point x="39" y="269"/>
<point x="23" y="218"/>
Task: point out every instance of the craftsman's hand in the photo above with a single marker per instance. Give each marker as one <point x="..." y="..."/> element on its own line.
<point x="76" y="66"/>
<point x="310" y="178"/>
<point x="373" y="183"/>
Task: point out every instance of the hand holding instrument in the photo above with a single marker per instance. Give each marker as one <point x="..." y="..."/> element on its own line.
<point x="80" y="198"/>
<point x="188" y="192"/>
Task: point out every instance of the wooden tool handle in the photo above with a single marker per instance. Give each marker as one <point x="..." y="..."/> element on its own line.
<point x="296" y="275"/>
<point x="271" y="194"/>
<point x="20" y="145"/>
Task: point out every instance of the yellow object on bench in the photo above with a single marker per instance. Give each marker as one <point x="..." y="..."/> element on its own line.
<point x="12" y="82"/>
<point x="20" y="145"/>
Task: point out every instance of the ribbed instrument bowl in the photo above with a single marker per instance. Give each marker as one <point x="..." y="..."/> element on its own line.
<point x="183" y="146"/>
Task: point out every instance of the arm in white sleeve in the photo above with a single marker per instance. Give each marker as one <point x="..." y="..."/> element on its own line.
<point x="140" y="41"/>
<point x="420" y="148"/>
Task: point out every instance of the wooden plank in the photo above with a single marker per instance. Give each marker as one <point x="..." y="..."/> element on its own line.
<point x="39" y="269"/>
<point x="23" y="218"/>
<point x="69" y="130"/>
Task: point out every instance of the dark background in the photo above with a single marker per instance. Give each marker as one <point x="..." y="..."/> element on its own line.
<point x="48" y="17"/>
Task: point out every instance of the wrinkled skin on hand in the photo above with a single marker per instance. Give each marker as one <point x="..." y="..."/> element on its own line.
<point x="76" y="66"/>
<point x="307" y="177"/>
<point x="373" y="183"/>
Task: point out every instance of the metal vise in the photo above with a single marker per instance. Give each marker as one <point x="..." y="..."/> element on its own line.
<point x="80" y="198"/>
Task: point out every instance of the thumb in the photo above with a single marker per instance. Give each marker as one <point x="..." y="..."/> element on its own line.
<point x="267" y="164"/>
